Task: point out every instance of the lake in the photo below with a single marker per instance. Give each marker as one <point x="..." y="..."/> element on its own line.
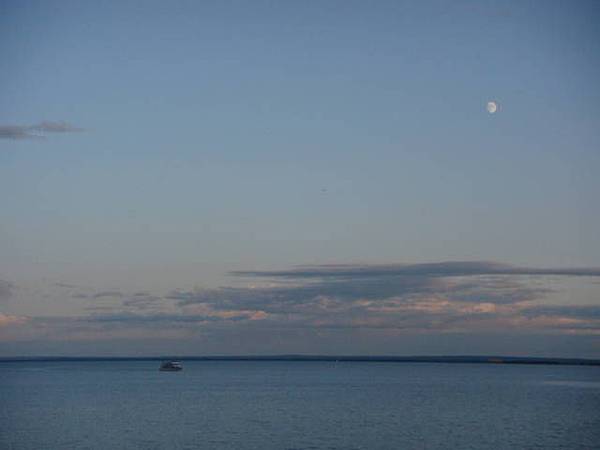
<point x="297" y="405"/>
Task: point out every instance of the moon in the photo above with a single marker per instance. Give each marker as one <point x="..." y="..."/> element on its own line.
<point x="491" y="107"/>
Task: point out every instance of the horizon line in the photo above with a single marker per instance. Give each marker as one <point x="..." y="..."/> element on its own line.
<point x="456" y="359"/>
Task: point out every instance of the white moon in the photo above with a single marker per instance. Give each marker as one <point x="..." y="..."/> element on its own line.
<point x="492" y="107"/>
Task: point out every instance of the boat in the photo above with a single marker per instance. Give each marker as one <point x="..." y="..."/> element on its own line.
<point x="170" y="366"/>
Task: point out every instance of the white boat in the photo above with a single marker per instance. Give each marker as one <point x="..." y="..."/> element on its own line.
<point x="170" y="366"/>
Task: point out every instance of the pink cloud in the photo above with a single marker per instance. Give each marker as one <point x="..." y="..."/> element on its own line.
<point x="6" y="320"/>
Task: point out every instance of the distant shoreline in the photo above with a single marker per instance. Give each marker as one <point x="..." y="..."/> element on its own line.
<point x="323" y="358"/>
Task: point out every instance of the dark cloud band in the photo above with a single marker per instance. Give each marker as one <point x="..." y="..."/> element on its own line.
<point x="441" y="269"/>
<point x="36" y="131"/>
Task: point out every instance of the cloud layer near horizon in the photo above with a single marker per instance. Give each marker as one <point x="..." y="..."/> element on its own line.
<point x="386" y="300"/>
<point x="441" y="297"/>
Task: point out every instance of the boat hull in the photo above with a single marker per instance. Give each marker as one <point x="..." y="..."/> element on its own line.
<point x="170" y="366"/>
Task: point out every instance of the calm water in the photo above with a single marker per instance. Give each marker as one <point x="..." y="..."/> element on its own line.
<point x="297" y="405"/>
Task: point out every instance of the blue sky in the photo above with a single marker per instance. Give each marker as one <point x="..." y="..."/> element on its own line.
<point x="182" y="141"/>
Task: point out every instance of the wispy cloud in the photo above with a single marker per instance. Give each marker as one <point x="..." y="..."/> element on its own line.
<point x="141" y="301"/>
<point x="158" y="318"/>
<point x="6" y="289"/>
<point x="66" y="285"/>
<point x="570" y="311"/>
<point x="112" y="293"/>
<point x="16" y="132"/>
<point x="55" y="127"/>
<point x="6" y="320"/>
<point x="36" y="131"/>
<point x="440" y="269"/>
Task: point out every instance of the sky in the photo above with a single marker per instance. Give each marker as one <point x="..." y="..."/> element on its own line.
<point x="228" y="178"/>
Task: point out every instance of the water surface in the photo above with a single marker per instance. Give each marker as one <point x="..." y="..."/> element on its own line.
<point x="297" y="405"/>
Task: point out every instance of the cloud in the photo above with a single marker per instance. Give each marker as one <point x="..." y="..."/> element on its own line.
<point x="159" y="318"/>
<point x="141" y="301"/>
<point x="441" y="269"/>
<point x="373" y="288"/>
<point x="66" y="285"/>
<point x="54" y="127"/>
<point x="573" y="318"/>
<point x="16" y="132"/>
<point x="446" y="296"/>
<point x="6" y="320"/>
<point x="112" y="293"/>
<point x="36" y="131"/>
<point x="120" y="300"/>
<point x="6" y="289"/>
<point x="573" y="311"/>
<point x="102" y="325"/>
<point x="339" y="304"/>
